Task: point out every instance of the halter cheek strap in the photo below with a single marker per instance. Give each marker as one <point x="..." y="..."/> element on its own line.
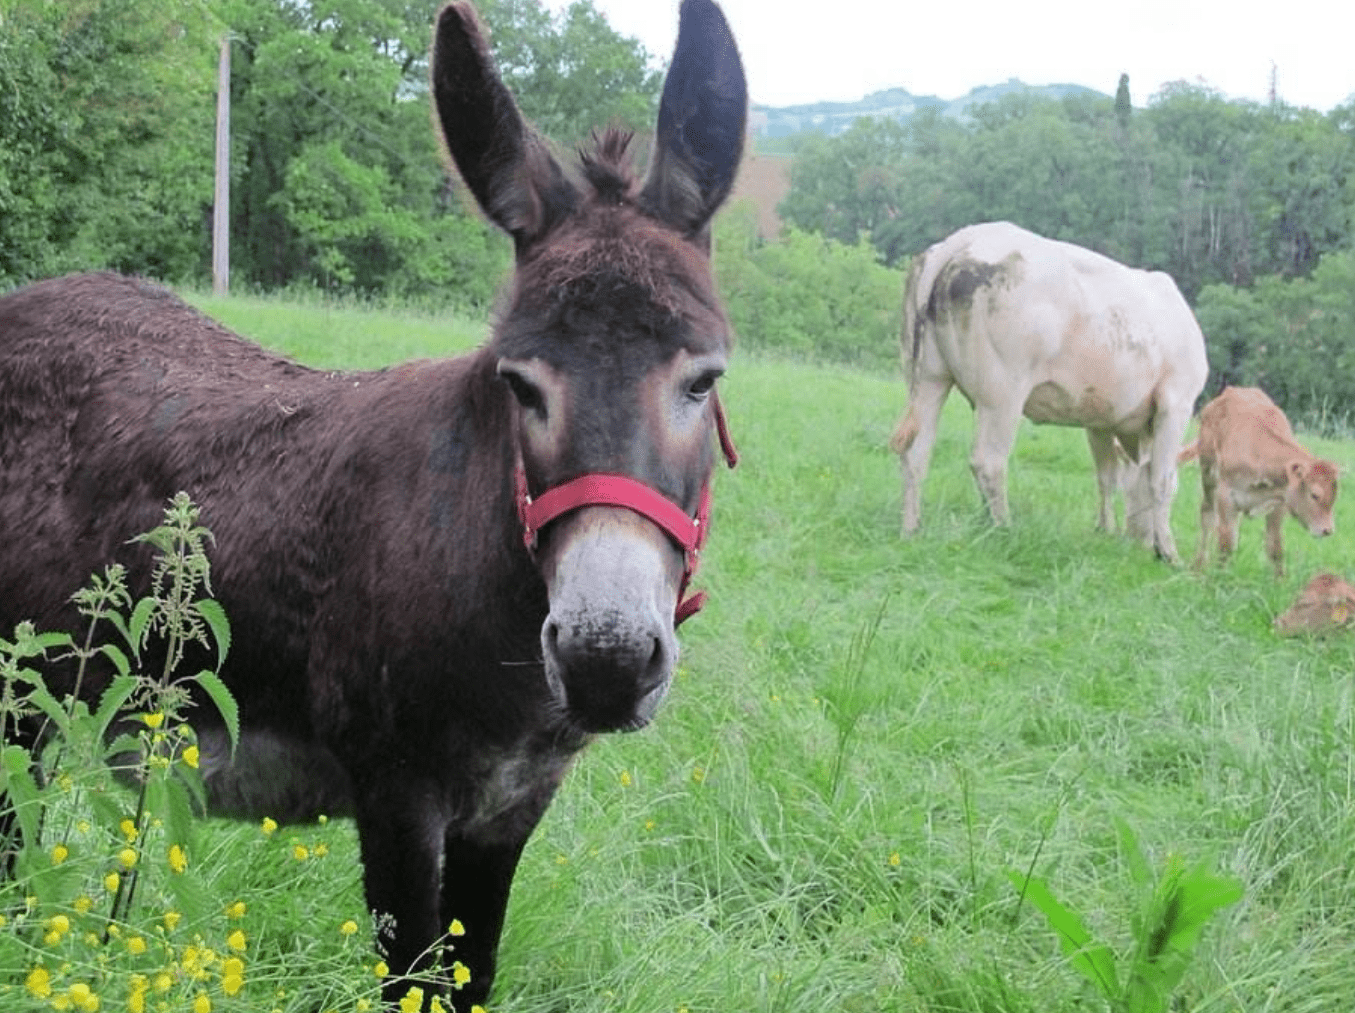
<point x="599" y="489"/>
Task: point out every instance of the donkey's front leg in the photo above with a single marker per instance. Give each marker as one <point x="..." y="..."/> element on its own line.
<point x="476" y="877"/>
<point x="401" y="840"/>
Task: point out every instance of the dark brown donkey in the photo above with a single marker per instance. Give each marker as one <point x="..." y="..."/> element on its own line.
<point x="400" y="648"/>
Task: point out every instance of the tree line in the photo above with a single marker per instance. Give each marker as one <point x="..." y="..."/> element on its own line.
<point x="107" y="114"/>
<point x="1250" y="207"/>
<point x="107" y="136"/>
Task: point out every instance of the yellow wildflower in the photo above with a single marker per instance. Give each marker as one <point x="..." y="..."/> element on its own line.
<point x="163" y="982"/>
<point x="128" y="829"/>
<point x="154" y="720"/>
<point x="202" y="1004"/>
<point x="380" y="969"/>
<point x="136" y="946"/>
<point x="236" y="910"/>
<point x="364" y="1006"/>
<point x="39" y="983"/>
<point x="460" y="974"/>
<point x="321" y="850"/>
<point x="269" y="826"/>
<point x="178" y="861"/>
<point x="236" y="941"/>
<point x="191" y="756"/>
<point x="59" y="924"/>
<point x="477" y="1008"/>
<point x="348" y="928"/>
<point x="413" y="1000"/>
<point x="127" y="856"/>
<point x="456" y="928"/>
<point x="82" y="998"/>
<point x="111" y="882"/>
<point x="83" y="904"/>
<point x="698" y="775"/>
<point x="300" y="852"/>
<point x="232" y="975"/>
<point x="136" y="1001"/>
<point x="172" y="920"/>
<point x="894" y="859"/>
<point x="625" y="779"/>
<point x="60" y="853"/>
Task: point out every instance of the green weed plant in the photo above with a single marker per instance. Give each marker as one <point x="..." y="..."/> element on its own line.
<point x="112" y="899"/>
<point x="1166" y="928"/>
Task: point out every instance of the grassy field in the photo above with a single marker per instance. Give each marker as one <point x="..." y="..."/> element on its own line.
<point x="867" y="734"/>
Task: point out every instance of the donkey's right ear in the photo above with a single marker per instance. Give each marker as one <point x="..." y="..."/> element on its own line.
<point x="505" y="163"/>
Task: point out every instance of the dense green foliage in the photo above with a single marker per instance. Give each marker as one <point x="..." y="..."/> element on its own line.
<point x="808" y="294"/>
<point x="107" y="138"/>
<point x="1207" y="189"/>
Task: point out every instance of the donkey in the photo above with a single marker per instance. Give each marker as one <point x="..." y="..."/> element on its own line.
<point x="444" y="577"/>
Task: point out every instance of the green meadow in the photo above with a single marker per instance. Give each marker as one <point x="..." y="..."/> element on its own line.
<point x="872" y="741"/>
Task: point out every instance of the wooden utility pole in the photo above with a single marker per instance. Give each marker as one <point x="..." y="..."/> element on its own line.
<point x="221" y="206"/>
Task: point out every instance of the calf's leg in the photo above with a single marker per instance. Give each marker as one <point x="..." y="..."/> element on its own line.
<point x="1275" y="538"/>
<point x="1209" y="511"/>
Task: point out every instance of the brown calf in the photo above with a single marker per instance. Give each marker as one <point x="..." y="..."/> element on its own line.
<point x="1250" y="463"/>
<point x="1325" y="605"/>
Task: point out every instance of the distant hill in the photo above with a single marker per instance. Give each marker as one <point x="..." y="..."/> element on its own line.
<point x="833" y="118"/>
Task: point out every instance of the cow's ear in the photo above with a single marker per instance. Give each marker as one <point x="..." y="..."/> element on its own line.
<point x="1296" y="472"/>
<point x="698" y="142"/>
<point x="505" y="163"/>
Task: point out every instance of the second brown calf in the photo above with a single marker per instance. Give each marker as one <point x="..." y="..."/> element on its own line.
<point x="1325" y="605"/>
<point x="1250" y="463"/>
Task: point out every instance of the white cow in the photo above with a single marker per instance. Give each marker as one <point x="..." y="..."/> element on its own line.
<point x="1028" y="325"/>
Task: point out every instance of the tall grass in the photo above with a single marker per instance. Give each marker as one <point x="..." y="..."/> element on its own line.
<point x="867" y="734"/>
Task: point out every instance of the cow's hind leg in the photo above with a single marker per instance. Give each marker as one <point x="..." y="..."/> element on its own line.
<point x="994" y="435"/>
<point x="913" y="440"/>
<point x="1169" y="429"/>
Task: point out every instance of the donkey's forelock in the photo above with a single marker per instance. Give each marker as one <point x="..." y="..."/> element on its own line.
<point x="611" y="241"/>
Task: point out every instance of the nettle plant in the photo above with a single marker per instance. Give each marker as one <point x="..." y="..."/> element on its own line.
<point x="99" y="894"/>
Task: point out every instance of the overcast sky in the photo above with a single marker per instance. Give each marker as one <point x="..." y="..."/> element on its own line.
<point x="795" y="51"/>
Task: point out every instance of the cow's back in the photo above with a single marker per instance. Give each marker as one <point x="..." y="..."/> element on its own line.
<point x="1082" y="339"/>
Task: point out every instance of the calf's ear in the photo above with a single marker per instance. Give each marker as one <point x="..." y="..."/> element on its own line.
<point x="505" y="163"/>
<point x="698" y="141"/>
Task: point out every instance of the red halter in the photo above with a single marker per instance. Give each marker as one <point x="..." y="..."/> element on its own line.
<point x="687" y="532"/>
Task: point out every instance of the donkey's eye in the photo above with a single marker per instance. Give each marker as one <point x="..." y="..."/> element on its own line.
<point x="703" y="385"/>
<point x="526" y="392"/>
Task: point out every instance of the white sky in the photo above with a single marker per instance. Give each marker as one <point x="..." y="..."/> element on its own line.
<point x="841" y="50"/>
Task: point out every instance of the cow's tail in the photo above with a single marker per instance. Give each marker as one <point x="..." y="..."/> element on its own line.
<point x="1189" y="452"/>
<point x="913" y="316"/>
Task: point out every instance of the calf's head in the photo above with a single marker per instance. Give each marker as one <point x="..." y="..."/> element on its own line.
<point x="1312" y="494"/>
<point x="609" y="343"/>
<point x="1326" y="604"/>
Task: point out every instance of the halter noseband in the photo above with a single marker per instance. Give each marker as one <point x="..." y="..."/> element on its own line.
<point x="687" y="532"/>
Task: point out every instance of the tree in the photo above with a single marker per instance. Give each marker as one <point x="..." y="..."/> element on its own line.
<point x="1123" y="106"/>
<point x="105" y="141"/>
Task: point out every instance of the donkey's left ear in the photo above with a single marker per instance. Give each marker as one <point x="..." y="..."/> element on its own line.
<point x="698" y="142"/>
<point x="505" y="163"/>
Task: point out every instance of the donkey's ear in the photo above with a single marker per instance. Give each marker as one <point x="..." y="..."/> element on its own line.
<point x="504" y="162"/>
<point x="698" y="143"/>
